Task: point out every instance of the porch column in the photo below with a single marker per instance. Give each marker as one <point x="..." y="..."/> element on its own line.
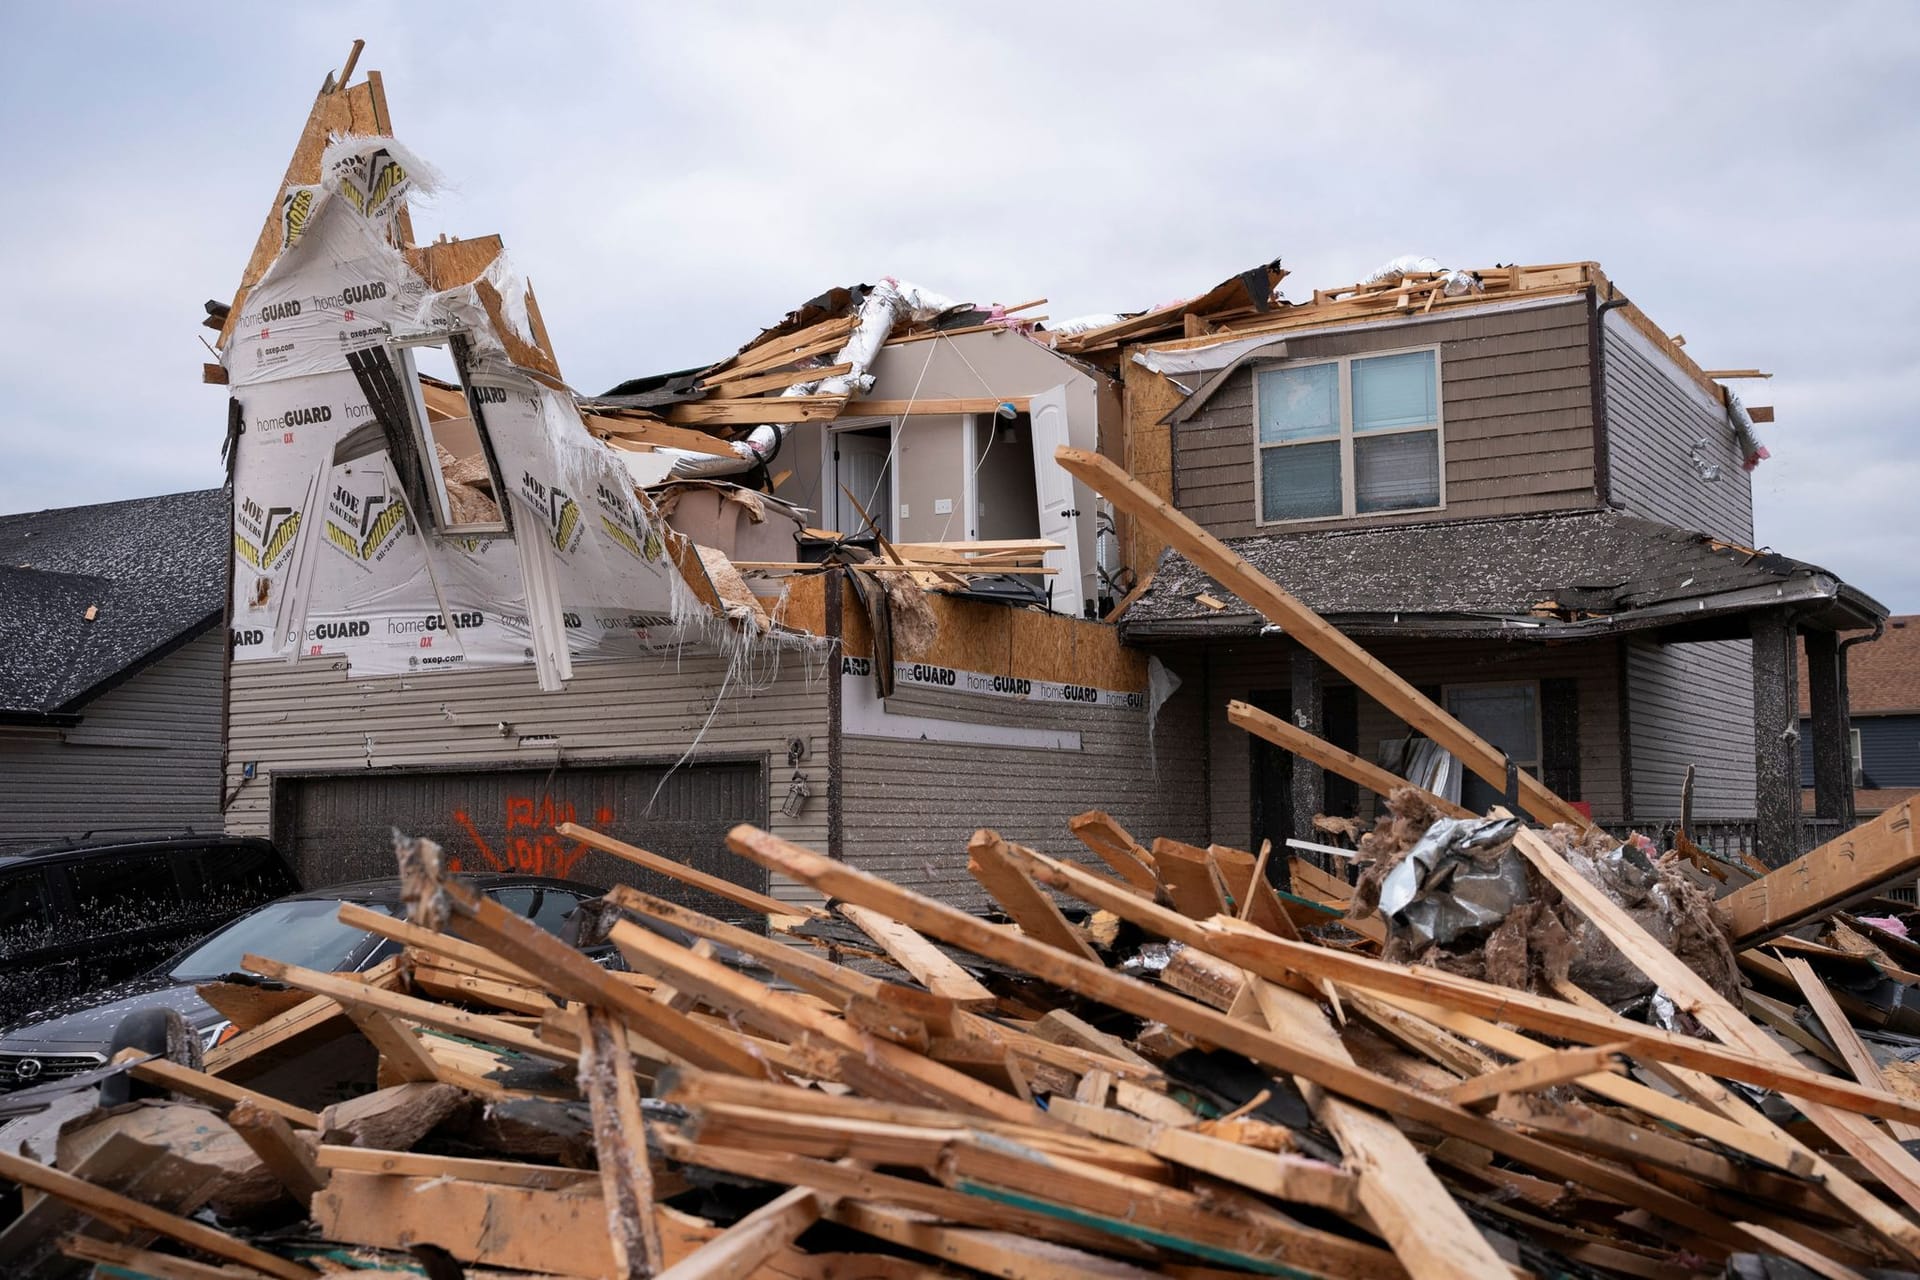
<point x="1309" y="713"/>
<point x="1776" y="738"/>
<point x="1827" y="701"/>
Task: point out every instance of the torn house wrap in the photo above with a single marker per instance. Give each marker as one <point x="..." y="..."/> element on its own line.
<point x="329" y="557"/>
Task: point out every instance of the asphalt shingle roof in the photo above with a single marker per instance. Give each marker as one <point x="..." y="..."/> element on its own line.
<point x="1883" y="676"/>
<point x="152" y="569"/>
<point x="1555" y="568"/>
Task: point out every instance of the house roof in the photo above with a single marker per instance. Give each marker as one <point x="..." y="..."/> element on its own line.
<point x="1867" y="801"/>
<point x="1534" y="577"/>
<point x="153" y="570"/>
<point x="1883" y="676"/>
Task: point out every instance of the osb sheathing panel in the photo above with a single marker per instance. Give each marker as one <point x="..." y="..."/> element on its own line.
<point x="1149" y="397"/>
<point x="453" y="263"/>
<point x="987" y="637"/>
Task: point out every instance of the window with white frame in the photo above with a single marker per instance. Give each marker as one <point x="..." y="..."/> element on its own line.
<point x="1354" y="436"/>
<point x="1506" y="715"/>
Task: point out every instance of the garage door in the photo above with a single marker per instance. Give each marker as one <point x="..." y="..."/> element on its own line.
<point x="340" y="828"/>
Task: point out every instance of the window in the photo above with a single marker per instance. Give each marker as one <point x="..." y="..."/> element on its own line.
<point x="1506" y="715"/>
<point x="1353" y="436"/>
<point x="1853" y="758"/>
<point x="462" y="474"/>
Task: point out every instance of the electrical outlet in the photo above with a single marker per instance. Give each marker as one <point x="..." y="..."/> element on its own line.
<point x="943" y="506"/>
<point x="904" y="513"/>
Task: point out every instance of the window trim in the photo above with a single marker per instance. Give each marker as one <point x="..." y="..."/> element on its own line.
<point x="1349" y="502"/>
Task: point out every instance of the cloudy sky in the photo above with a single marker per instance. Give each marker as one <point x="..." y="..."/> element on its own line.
<point x="672" y="178"/>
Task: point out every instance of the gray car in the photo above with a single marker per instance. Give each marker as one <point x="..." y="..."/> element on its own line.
<point x="303" y="930"/>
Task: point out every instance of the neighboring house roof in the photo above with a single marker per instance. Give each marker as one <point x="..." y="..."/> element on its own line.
<point x="153" y="570"/>
<point x="1535" y="577"/>
<point x="1883" y="676"/>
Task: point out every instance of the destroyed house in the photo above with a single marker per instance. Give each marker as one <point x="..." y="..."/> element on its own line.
<point x="1530" y="501"/>
<point x="834" y="584"/>
<point x="110" y="685"/>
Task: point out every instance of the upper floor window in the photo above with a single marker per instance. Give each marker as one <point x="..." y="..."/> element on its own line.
<point x="1348" y="437"/>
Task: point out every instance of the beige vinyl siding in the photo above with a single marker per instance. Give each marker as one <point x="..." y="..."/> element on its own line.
<point x="1239" y="669"/>
<point x="1691" y="704"/>
<point x="144" y="759"/>
<point x="911" y="807"/>
<point x="1516" y="402"/>
<point x="315" y="716"/>
<point x="1656" y="418"/>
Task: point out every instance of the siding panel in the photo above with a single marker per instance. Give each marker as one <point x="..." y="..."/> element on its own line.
<point x="911" y="807"/>
<point x="316" y="717"/>
<point x="1516" y="399"/>
<point x="144" y="759"/>
<point x="1691" y="704"/>
<point x="1655" y="419"/>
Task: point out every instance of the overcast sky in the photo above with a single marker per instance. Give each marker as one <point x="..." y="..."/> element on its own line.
<point x="672" y="179"/>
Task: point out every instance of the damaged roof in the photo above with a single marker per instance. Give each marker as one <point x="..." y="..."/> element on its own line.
<point x="152" y="570"/>
<point x="1536" y="577"/>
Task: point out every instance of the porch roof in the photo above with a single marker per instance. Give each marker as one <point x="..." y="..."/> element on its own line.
<point x="1550" y="577"/>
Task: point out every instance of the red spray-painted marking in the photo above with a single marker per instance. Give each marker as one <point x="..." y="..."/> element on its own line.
<point x="529" y="843"/>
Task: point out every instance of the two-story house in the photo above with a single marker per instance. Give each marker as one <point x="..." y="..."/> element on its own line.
<point x="1522" y="495"/>
<point x="1883" y="710"/>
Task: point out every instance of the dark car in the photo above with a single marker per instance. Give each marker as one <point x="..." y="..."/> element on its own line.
<point x="77" y="917"/>
<point x="303" y="930"/>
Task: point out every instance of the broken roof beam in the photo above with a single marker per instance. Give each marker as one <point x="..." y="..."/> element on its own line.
<point x="756" y="411"/>
<point x="1327" y="642"/>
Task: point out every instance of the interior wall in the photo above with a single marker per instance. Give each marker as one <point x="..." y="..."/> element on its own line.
<point x="931" y="463"/>
<point x="1006" y="503"/>
<point x="800" y="454"/>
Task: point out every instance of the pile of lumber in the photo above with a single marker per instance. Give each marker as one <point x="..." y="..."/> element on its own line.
<point x="1159" y="1063"/>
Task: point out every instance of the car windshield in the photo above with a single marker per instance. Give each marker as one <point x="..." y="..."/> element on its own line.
<point x="302" y="931"/>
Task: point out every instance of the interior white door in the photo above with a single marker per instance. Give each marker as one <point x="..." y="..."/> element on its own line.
<point x="1060" y="504"/>
<point x="859" y="462"/>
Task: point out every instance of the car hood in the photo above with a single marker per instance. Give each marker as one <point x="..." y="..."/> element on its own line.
<point x="86" y="1023"/>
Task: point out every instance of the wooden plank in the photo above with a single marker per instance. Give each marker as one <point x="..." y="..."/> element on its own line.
<point x="930" y="966"/>
<point x="1191" y="879"/>
<point x="420" y="1165"/>
<point x="1402" y="1195"/>
<point x="745" y="1246"/>
<point x="1859" y="1061"/>
<point x="219" y="1093"/>
<point x="427" y="1013"/>
<point x="995" y="1253"/>
<point x="1096" y="982"/>
<point x="1110" y="841"/>
<point x="1285" y="1177"/>
<point x="1232" y="571"/>
<point x="570" y="974"/>
<point x="306" y="1016"/>
<point x="1886" y="1159"/>
<point x="779" y="380"/>
<point x="1285" y="734"/>
<point x="940" y="405"/>
<point x="885" y="1064"/>
<point x="402" y="1060"/>
<point x="620" y="1143"/>
<point x="660" y="435"/>
<point x="739" y="895"/>
<point x="1812" y="1259"/>
<point x="1063" y="1026"/>
<point x="110" y="1206"/>
<point x="1031" y="907"/>
<point x="755" y="411"/>
<point x="1561" y="1066"/>
<point x="128" y="1263"/>
<point x="273" y="1140"/>
<point x="1847" y="868"/>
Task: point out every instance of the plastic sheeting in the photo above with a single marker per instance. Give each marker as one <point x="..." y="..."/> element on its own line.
<point x="1452" y="283"/>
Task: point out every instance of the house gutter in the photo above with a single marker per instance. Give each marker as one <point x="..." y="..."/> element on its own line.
<point x="1597" y="364"/>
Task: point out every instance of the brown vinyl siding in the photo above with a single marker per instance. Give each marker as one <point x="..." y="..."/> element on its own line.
<point x="912" y="806"/>
<point x="1516" y="407"/>
<point x="1656" y="417"/>
<point x="1240" y="668"/>
<point x="1691" y="704"/>
<point x="316" y="717"/>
